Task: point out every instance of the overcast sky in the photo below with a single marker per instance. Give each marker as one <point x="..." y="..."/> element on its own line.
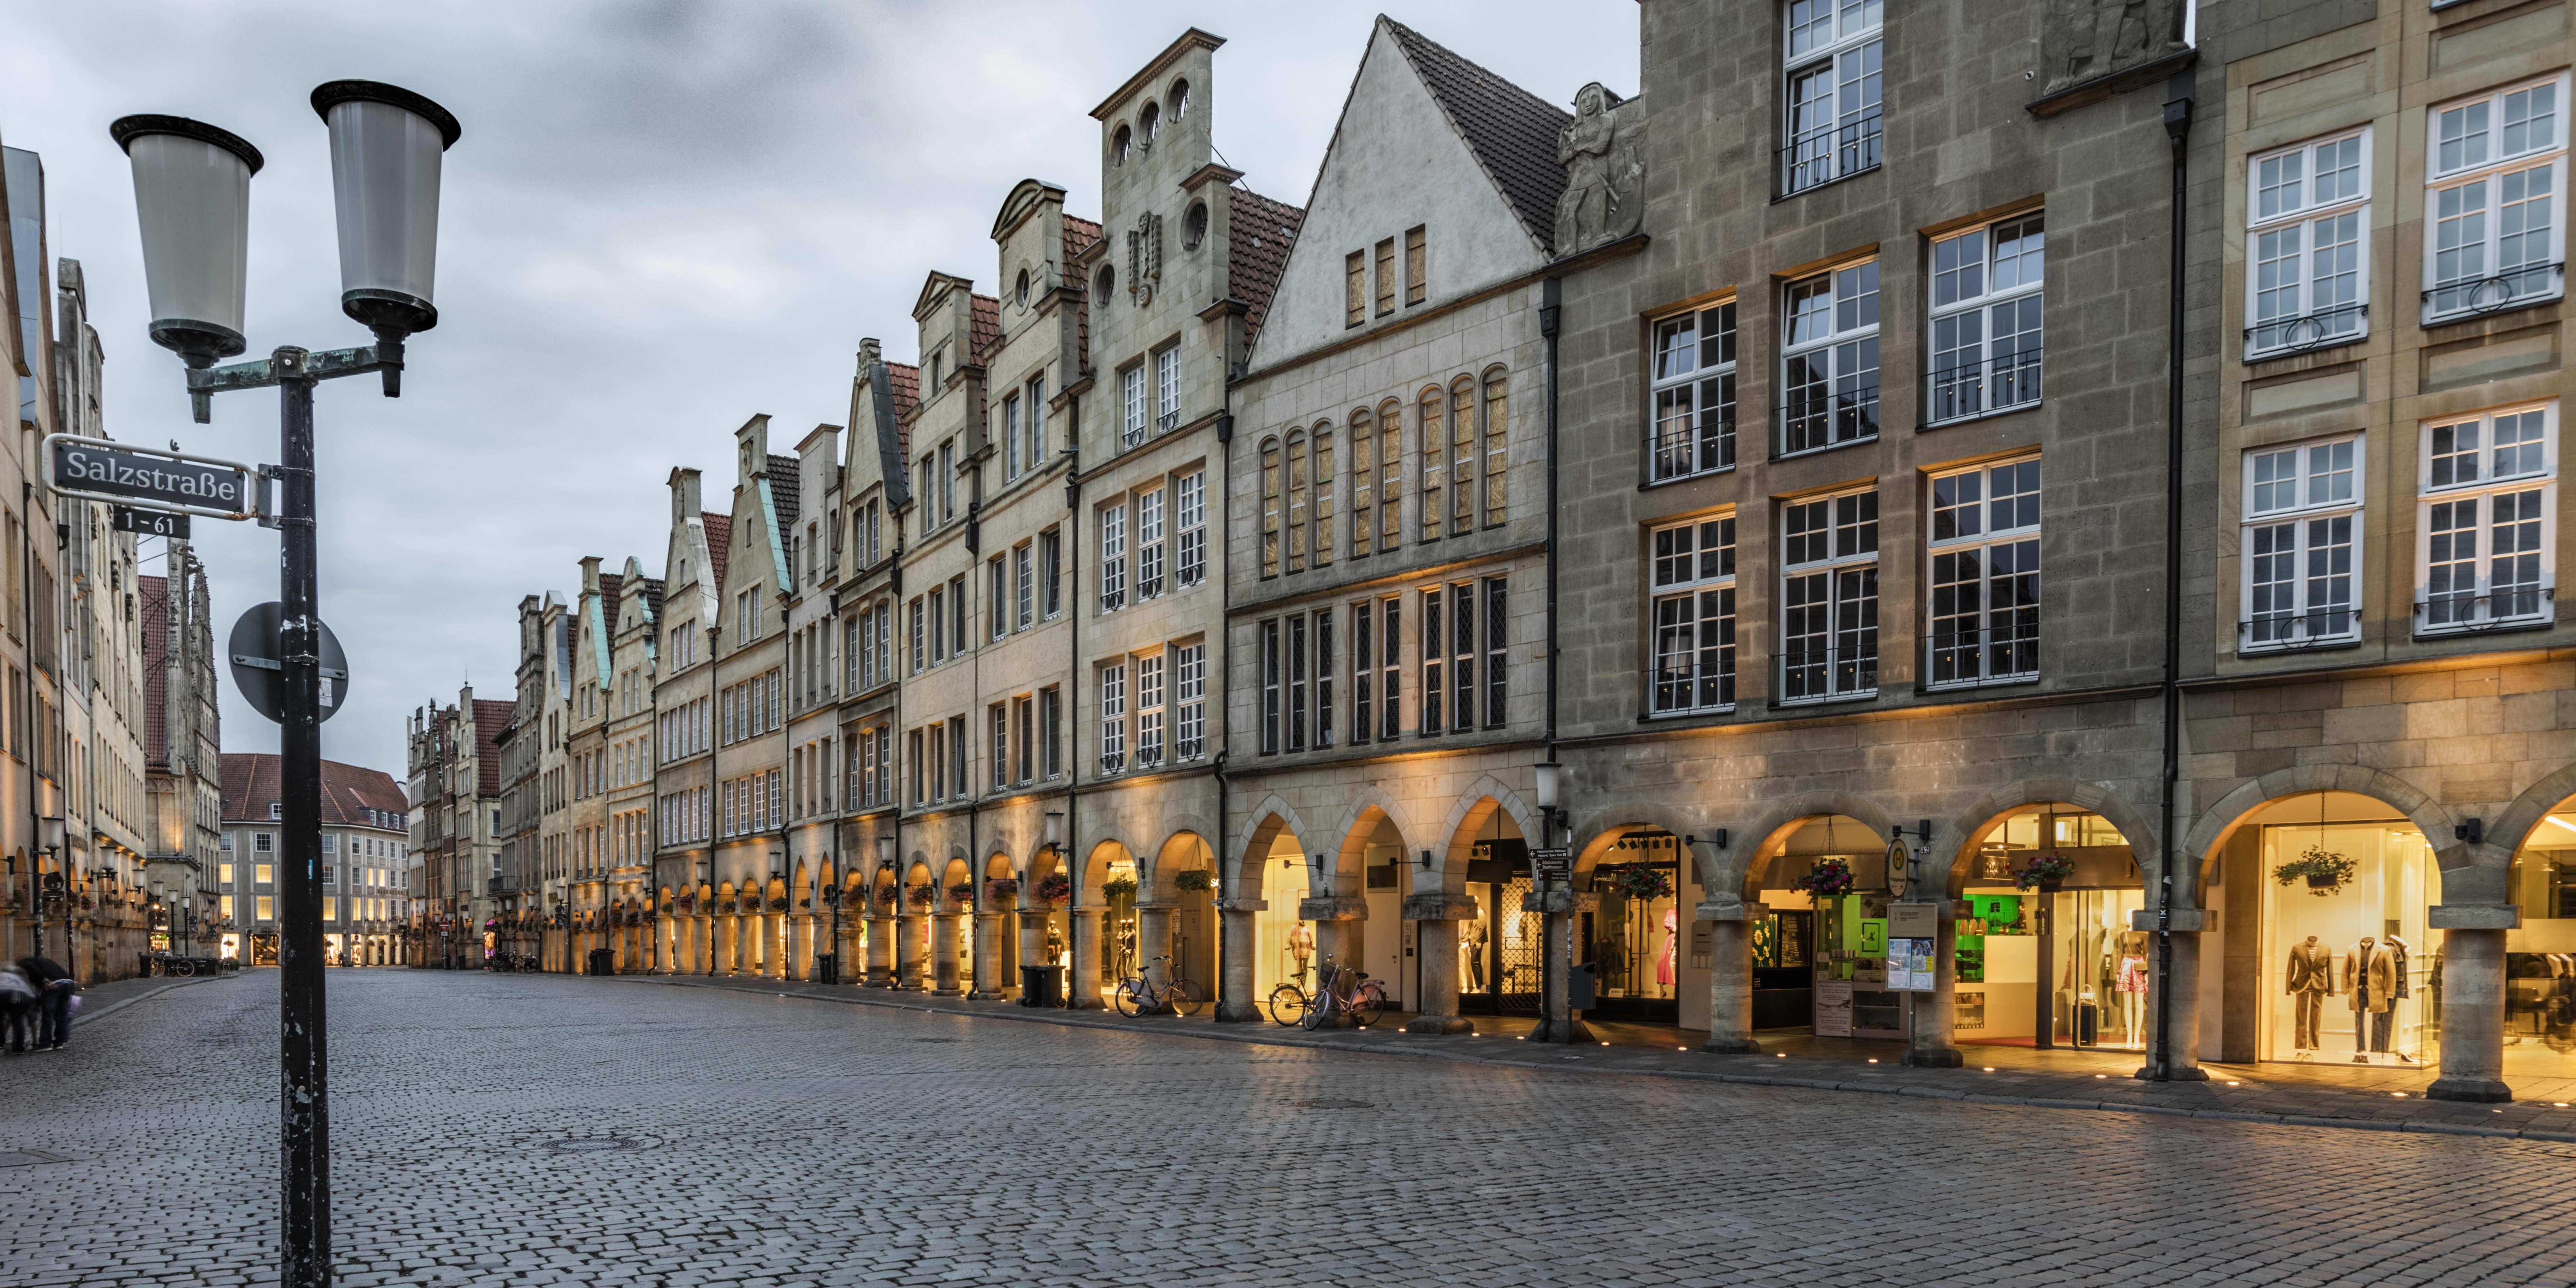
<point x="662" y="218"/>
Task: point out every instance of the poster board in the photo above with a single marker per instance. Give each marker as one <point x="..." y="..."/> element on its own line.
<point x="1833" y="1008"/>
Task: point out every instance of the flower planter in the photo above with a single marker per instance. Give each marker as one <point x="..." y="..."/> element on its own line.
<point x="2322" y="881"/>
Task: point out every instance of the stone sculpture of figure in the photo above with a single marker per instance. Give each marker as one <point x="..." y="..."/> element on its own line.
<point x="1604" y="197"/>
<point x="2082" y="40"/>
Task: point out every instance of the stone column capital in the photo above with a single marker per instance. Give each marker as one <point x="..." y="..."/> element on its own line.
<point x="1437" y="906"/>
<point x="2186" y="921"/>
<point x="1730" y="910"/>
<point x="2473" y="916"/>
<point x="1334" y="907"/>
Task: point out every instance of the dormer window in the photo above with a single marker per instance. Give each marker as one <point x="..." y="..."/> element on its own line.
<point x="1119" y="144"/>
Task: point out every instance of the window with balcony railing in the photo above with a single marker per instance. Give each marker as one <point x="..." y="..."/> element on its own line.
<point x="1694" y="393"/>
<point x="2303" y="515"/>
<point x="1694" y="617"/>
<point x="2307" y="245"/>
<point x="1983" y="579"/>
<point x="1829" y="360"/>
<point x="1986" y="320"/>
<point x="2496" y="179"/>
<point x="2487" y="508"/>
<point x="1833" y="92"/>
<point x="1829" y="598"/>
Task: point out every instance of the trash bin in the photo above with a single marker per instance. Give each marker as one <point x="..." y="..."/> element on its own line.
<point x="827" y="968"/>
<point x="603" y="961"/>
<point x="1578" y="986"/>
<point x="1042" y="986"/>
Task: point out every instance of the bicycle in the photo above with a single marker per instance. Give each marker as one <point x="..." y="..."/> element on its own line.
<point x="1138" y="994"/>
<point x="1289" y="1001"/>
<point x="1346" y="992"/>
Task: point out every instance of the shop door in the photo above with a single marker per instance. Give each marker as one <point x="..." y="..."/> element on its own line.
<point x="1784" y="984"/>
<point x="1632" y="941"/>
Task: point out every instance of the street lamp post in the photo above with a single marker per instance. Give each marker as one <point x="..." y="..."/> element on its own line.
<point x="192" y="196"/>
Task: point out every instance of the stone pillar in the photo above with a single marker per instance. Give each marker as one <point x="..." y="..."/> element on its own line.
<point x="2182" y="1017"/>
<point x="1238" y="949"/>
<point x="1341" y="924"/>
<point x="1730" y="974"/>
<point x="881" y="937"/>
<point x="1558" y="905"/>
<point x="908" y="943"/>
<point x="1082" y="977"/>
<point x="2472" y="1000"/>
<point x="1154" y="939"/>
<point x="1033" y="928"/>
<point x="1435" y="917"/>
<point x="988" y="956"/>
<point x="943" y="953"/>
<point x="800" y="946"/>
<point x="1931" y="1046"/>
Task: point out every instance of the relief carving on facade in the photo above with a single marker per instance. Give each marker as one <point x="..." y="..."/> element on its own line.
<point x="1145" y="258"/>
<point x="1605" y="172"/>
<point x="2082" y="40"/>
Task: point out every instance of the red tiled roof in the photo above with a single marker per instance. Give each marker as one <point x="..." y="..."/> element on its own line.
<point x="491" y="716"/>
<point x="986" y="325"/>
<point x="608" y="583"/>
<point x="1511" y="131"/>
<point x="719" y="545"/>
<point x="1079" y="235"/>
<point x="905" y="380"/>
<point x="152" y="599"/>
<point x="251" y="785"/>
<point x="1258" y="233"/>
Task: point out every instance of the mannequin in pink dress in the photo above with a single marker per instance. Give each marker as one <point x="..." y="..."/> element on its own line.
<point x="1664" y="959"/>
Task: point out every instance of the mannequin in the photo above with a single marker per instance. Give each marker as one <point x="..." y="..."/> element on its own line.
<point x="1471" y="956"/>
<point x="2399" y="949"/>
<point x="2370" y="976"/>
<point x="2310" y="980"/>
<point x="1301" y="948"/>
<point x="2131" y="986"/>
<point x="1664" y="960"/>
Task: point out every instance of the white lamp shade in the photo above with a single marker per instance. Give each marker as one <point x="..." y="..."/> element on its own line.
<point x="386" y="148"/>
<point x="1549" y="783"/>
<point x="192" y="198"/>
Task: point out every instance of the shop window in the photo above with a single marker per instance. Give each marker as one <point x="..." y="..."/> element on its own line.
<point x="2349" y="968"/>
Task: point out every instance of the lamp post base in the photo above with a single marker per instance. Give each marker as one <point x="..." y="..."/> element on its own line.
<point x="1567" y="1031"/>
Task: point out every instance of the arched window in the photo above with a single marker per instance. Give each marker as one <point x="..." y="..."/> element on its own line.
<point x="1497" y="443"/>
<point x="1119" y="144"/>
<point x="1270" y="507"/>
<point x="1021" y="292"/>
<point x="1179" y="98"/>
<point x="1462" y="456"/>
<point x="1296" y="502"/>
<point x="1194" y="226"/>
<point x="1108" y="281"/>
<point x="1390" y="475"/>
<point x="1431" y="440"/>
<point x="1323" y="454"/>
<point x="1363" y="485"/>
<point x="1150" y="123"/>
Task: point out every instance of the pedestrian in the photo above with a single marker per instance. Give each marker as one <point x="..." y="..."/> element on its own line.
<point x="54" y="1001"/>
<point x="17" y="1008"/>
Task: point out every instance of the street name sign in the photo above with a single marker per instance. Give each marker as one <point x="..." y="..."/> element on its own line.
<point x="104" y="470"/>
<point x="1557" y="862"/>
<point x="151" y="523"/>
<point x="259" y="665"/>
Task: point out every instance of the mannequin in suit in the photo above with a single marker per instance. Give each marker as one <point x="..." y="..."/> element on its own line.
<point x="2370" y="978"/>
<point x="2311" y="980"/>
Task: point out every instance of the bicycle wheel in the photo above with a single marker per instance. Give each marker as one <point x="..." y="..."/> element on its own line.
<point x="1368" y="1004"/>
<point x="1317" y="1012"/>
<point x="1130" y="998"/>
<point x="1287" y="1005"/>
<point x="1185" y="997"/>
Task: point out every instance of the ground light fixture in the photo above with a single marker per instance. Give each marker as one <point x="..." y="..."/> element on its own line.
<point x="192" y="203"/>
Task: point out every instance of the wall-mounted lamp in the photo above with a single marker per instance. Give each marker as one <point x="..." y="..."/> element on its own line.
<point x="1716" y="838"/>
<point x="1425" y="861"/>
<point x="2474" y="831"/>
<point x="1055" y="831"/>
<point x="885" y="851"/>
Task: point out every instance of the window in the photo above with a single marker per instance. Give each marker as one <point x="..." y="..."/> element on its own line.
<point x="1435" y="697"/>
<point x="1354" y="289"/>
<point x="1296" y="544"/>
<point x="1417" y="265"/>
<point x="1011" y="418"/>
<point x="1829" y="598"/>
<point x="262" y="873"/>
<point x="1498" y="635"/>
<point x="957" y="616"/>
<point x="1189" y="505"/>
<point x="2498" y="175"/>
<point x="1189" y="695"/>
<point x="1363" y="670"/>
<point x="1149" y="711"/>
<point x="929" y="512"/>
<point x="956" y="757"/>
<point x="1036" y="423"/>
<point x="1497" y="426"/>
<point x="2307" y="229"/>
<point x="1131" y="403"/>
<point x="1833" y="92"/>
<point x="1296" y="628"/>
<point x="267" y="908"/>
<point x="999" y="752"/>
<point x="1270" y="687"/>
<point x="1462" y="662"/>
<point x="997" y="598"/>
<point x="1113" y="718"/>
<point x="1431" y="437"/>
<point x="1149" y="544"/>
<point x="1051" y="729"/>
<point x="1694" y="608"/>
<point x="1024" y="586"/>
<point x="1829" y="367"/>
<point x="1113" y="556"/>
<point x="1986" y="336"/>
<point x="1694" y="391"/>
<point x="2489" y="516"/>
<point x="2302" y="531"/>
<point x="1390" y="475"/>
<point x="948" y="480"/>
<point x="1391" y="669"/>
<point x="920" y="658"/>
<point x="1270" y="508"/>
<point x="1386" y="277"/>
<point x="938" y="625"/>
<point x="1051" y="571"/>
<point x="912" y="749"/>
<point x="1167" y="388"/>
<point x="1984" y="587"/>
<point x="1363" y="485"/>
<point x="1023" y="714"/>
<point x="1462" y="456"/>
<point x="1324" y="679"/>
<point x="1323" y="512"/>
<point x="263" y="843"/>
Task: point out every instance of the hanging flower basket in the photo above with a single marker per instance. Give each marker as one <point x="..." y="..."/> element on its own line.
<point x="923" y="896"/>
<point x="2324" y="870"/>
<point x="963" y="892"/>
<point x="778" y="903"/>
<point x="1054" y="888"/>
<point x="2045" y="872"/>
<point x="1829" y="879"/>
<point x="831" y="896"/>
<point x="1119" y="888"/>
<point x="1643" y="883"/>
<point x="1001" y="890"/>
<point x="885" y="896"/>
<point x="1194" y="879"/>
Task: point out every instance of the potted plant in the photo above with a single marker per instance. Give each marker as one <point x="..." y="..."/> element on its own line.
<point x="1119" y="887"/>
<point x="962" y="893"/>
<point x="2324" y="870"/>
<point x="778" y="903"/>
<point x="1643" y="883"/>
<point x="924" y="895"/>
<point x="1194" y="879"/>
<point x="1001" y="890"/>
<point x="1828" y="879"/>
<point x="2046" y="872"/>
<point x="885" y="896"/>
<point x="1054" y="889"/>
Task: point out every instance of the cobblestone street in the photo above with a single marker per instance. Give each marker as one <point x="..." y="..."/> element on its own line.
<point x="541" y="1129"/>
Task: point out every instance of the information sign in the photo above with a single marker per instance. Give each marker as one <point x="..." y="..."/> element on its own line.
<point x="151" y="523"/>
<point x="105" y="470"/>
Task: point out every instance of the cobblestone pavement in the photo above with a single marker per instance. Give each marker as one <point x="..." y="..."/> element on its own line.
<point x="538" y="1129"/>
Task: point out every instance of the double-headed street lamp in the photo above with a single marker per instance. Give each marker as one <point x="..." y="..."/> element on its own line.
<point x="192" y="196"/>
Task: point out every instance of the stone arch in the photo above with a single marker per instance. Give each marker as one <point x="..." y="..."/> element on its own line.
<point x="1367" y="800"/>
<point x="1261" y="828"/>
<point x="2215" y="824"/>
<point x="1961" y="830"/>
<point x="1360" y="822"/>
<point x="1769" y="832"/>
<point x="1095" y="871"/>
<point x="1181" y="851"/>
<point x="1601" y="827"/>
<point x="1470" y="808"/>
<point x="2509" y="830"/>
<point x="1149" y="875"/>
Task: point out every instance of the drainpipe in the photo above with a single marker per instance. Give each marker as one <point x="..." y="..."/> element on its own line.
<point x="1225" y="683"/>
<point x="2178" y="132"/>
<point x="34" y="730"/>
<point x="1069" y="582"/>
<point x="1555" y="977"/>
